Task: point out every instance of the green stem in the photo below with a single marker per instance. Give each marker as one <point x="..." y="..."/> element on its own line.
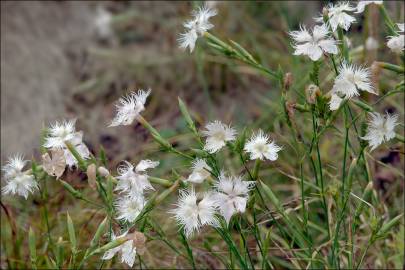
<point x="256" y="169"/>
<point x="388" y="21"/>
<point x="343" y="48"/>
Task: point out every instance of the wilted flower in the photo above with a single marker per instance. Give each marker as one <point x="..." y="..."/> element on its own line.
<point x="338" y="16"/>
<point x="64" y="132"/>
<point x="17" y="181"/>
<point x="396" y="43"/>
<point x="335" y="102"/>
<point x="315" y="44"/>
<point x="259" y="146"/>
<point x="196" y="26"/>
<point x="232" y="195"/>
<point x="192" y="213"/>
<point x="217" y="135"/>
<point x="135" y="181"/>
<point x="361" y="5"/>
<point x="380" y="128"/>
<point x="129" y="207"/>
<point x="129" y="107"/>
<point x="128" y="251"/>
<point x="351" y="79"/>
<point x="201" y="171"/>
<point x="56" y="164"/>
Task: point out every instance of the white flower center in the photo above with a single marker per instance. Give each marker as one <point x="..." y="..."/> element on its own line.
<point x="219" y="135"/>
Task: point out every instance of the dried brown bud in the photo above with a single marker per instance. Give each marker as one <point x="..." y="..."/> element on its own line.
<point x="311" y="92"/>
<point x="288" y="79"/>
<point x="139" y="241"/>
<point x="325" y="12"/>
<point x="103" y="171"/>
<point x="92" y="176"/>
<point x="375" y="73"/>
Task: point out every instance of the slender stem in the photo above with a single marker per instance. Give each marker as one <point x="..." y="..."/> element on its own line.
<point x="255" y="173"/>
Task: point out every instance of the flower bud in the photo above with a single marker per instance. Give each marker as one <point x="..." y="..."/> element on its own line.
<point x="103" y="171"/>
<point x="288" y="79"/>
<point x="325" y="13"/>
<point x="92" y="176"/>
<point x="312" y="92"/>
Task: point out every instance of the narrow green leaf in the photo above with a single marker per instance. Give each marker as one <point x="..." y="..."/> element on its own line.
<point x="32" y="247"/>
<point x="72" y="234"/>
<point x="187" y="116"/>
<point x="244" y="53"/>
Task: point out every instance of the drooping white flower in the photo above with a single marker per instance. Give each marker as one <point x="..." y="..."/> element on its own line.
<point x="17" y="181"/>
<point x="338" y="16"/>
<point x="201" y="171"/>
<point x="371" y="44"/>
<point x="127" y="249"/>
<point x="232" y="195"/>
<point x="351" y="79"/>
<point x="197" y="26"/>
<point x="315" y="44"/>
<point x="259" y="146"/>
<point x="129" y="207"/>
<point x="192" y="213"/>
<point x="335" y="102"/>
<point x="380" y="128"/>
<point x="129" y="107"/>
<point x="397" y="43"/>
<point x="134" y="180"/>
<point x="361" y="5"/>
<point x="64" y="132"/>
<point x="217" y="135"/>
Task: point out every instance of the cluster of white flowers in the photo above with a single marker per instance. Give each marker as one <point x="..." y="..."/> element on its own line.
<point x="258" y="146"/>
<point x="61" y="133"/>
<point x="396" y="43"/>
<point x="132" y="183"/>
<point x="197" y="26"/>
<point x="229" y="196"/>
<point x="18" y="182"/>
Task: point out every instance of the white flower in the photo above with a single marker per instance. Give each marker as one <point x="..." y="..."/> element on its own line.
<point x="335" y="102"/>
<point x="338" y="16"/>
<point x="217" y="135"/>
<point x="200" y="171"/>
<point x="129" y="207"/>
<point x="193" y="214"/>
<point x="351" y="79"/>
<point x="361" y="5"/>
<point x="102" y="23"/>
<point x="371" y="44"/>
<point x="127" y="249"/>
<point x="17" y="181"/>
<point x="197" y="26"/>
<point x="232" y="195"/>
<point x="396" y="43"/>
<point x="64" y="132"/>
<point x="129" y="107"/>
<point x="380" y="128"/>
<point x="134" y="181"/>
<point x="259" y="147"/>
<point x="315" y="44"/>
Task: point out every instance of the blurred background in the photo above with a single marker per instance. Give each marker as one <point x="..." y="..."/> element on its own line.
<point x="69" y="59"/>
